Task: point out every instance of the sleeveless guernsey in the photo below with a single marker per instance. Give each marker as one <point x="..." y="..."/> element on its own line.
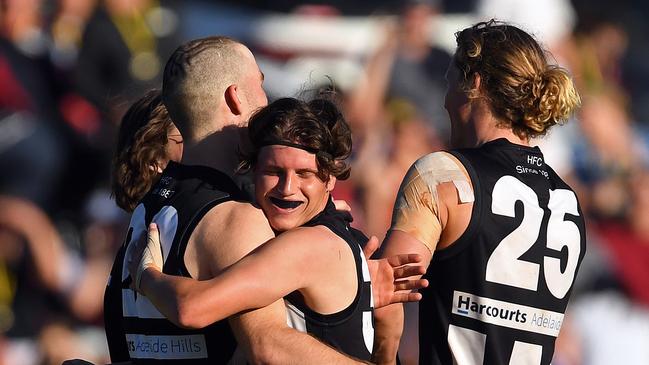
<point x="499" y="293"/>
<point x="350" y="331"/>
<point x="135" y="329"/>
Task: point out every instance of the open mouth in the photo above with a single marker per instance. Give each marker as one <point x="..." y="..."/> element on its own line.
<point x="285" y="204"/>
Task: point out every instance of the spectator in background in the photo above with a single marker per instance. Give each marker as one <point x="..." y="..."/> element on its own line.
<point x="607" y="27"/>
<point x="607" y="153"/>
<point x="66" y="28"/>
<point x="395" y="111"/>
<point x="123" y="49"/>
<point x="49" y="284"/>
<point x="615" y="291"/>
<point x="34" y="85"/>
<point x="550" y="21"/>
<point x="600" y="48"/>
<point x="406" y="66"/>
<point x="627" y="241"/>
<point x="46" y="288"/>
<point x="417" y="74"/>
<point x="389" y="148"/>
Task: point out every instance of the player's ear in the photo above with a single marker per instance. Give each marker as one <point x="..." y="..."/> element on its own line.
<point x="232" y="100"/>
<point x="157" y="167"/>
<point x="474" y="82"/>
<point x="331" y="183"/>
<point x="477" y="81"/>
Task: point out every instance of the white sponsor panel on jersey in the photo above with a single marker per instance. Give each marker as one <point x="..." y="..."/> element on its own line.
<point x="507" y="314"/>
<point x="166" y="347"/>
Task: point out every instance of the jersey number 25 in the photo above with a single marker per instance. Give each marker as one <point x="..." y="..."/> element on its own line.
<point x="505" y="266"/>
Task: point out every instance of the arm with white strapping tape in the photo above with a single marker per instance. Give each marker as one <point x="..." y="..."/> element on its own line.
<point x="429" y="213"/>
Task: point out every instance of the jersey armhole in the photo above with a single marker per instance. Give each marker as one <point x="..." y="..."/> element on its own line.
<point x="346" y="313"/>
<point x="467" y="236"/>
<point x="189" y="229"/>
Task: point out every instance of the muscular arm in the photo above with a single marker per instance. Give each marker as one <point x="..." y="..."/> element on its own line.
<point x="420" y="214"/>
<point x="388" y="321"/>
<point x="267" y="339"/>
<point x="262" y="333"/>
<point x="275" y="269"/>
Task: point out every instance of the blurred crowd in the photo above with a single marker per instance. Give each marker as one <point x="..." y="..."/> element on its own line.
<point x="70" y="68"/>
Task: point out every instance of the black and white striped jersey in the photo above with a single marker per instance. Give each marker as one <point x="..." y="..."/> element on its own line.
<point x="499" y="293"/>
<point x="350" y="331"/>
<point x="135" y="329"/>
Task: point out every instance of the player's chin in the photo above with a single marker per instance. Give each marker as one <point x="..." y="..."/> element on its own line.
<point x="283" y="221"/>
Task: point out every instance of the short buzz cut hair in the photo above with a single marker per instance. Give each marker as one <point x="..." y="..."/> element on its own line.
<point x="195" y="78"/>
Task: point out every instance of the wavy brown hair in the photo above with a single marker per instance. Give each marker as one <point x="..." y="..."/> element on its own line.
<point x="523" y="89"/>
<point x="317" y="125"/>
<point x="141" y="143"/>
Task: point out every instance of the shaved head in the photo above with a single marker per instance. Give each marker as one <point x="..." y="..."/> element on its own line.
<point x="195" y="79"/>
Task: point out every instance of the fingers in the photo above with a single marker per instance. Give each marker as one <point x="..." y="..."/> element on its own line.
<point x="146" y="253"/>
<point x="370" y="247"/>
<point x="404" y="259"/>
<point x="410" y="284"/>
<point x="409" y="270"/>
<point x="405" y="297"/>
<point x="342" y="206"/>
<point x="153" y="235"/>
<point x="154" y="245"/>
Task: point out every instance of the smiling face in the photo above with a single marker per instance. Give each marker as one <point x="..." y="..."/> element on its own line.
<point x="288" y="188"/>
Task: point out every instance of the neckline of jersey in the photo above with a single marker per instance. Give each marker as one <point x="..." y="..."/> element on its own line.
<point x="504" y="142"/>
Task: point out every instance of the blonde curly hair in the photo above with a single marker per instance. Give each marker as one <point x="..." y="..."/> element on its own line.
<point x="528" y="94"/>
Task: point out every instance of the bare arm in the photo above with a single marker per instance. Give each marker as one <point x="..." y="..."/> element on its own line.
<point x="262" y="333"/>
<point x="275" y="269"/>
<point x="388" y="321"/>
<point x="285" y="264"/>
<point x="267" y="339"/>
<point x="430" y="213"/>
<point x="415" y="228"/>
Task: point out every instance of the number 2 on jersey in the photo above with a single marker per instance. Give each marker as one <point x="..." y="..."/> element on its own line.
<point x="505" y="266"/>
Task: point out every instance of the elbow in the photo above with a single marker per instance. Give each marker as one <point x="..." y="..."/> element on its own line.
<point x="188" y="316"/>
<point x="194" y="310"/>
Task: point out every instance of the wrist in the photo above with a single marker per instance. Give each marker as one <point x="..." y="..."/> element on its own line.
<point x="144" y="277"/>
